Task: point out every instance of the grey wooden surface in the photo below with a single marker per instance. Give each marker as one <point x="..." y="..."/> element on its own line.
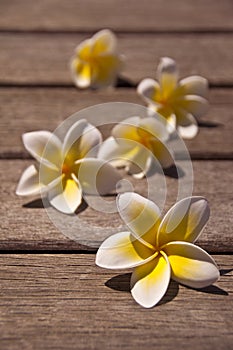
<point x="66" y="302"/>
<point x="52" y="295"/>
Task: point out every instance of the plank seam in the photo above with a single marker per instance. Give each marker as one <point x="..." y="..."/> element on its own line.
<point x="121" y="85"/>
<point x="173" y="32"/>
<point x="194" y="157"/>
<point x="75" y="252"/>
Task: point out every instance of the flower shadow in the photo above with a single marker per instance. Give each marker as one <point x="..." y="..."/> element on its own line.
<point x="122" y="283"/>
<point x="208" y="124"/>
<point x="171" y="293"/>
<point x="174" y="171"/>
<point x="225" y="271"/>
<point x="213" y="290"/>
<point x="40" y="203"/>
<point x="123" y="82"/>
<point x="37" y="204"/>
<point x="210" y="290"/>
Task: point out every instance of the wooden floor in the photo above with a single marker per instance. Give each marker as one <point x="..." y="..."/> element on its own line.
<point x="52" y="296"/>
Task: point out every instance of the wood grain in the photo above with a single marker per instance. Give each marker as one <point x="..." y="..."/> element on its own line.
<point x="65" y="301"/>
<point x="44" y="58"/>
<point x="116" y="14"/>
<point x="43" y="108"/>
<point x="25" y="225"/>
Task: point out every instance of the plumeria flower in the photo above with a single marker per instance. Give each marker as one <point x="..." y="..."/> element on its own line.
<point x="159" y="249"/>
<point x="135" y="143"/>
<point x="180" y="102"/>
<point x="66" y="170"/>
<point x="96" y="62"/>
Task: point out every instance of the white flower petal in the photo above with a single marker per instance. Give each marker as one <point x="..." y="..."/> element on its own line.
<point x="48" y="175"/>
<point x="189" y="130"/>
<point x="150" y="91"/>
<point x="105" y="70"/>
<point x="193" y="85"/>
<point x="97" y="176"/>
<point x="193" y="104"/>
<point x="167" y="74"/>
<point x="127" y="129"/>
<point x="44" y="147"/>
<point x="115" y="152"/>
<point x="191" y="265"/>
<point x="81" y="73"/>
<point x="171" y="123"/>
<point x="184" y="221"/>
<point x="141" y="215"/>
<point x="122" y="250"/>
<point x="66" y="196"/>
<point x="149" y="282"/>
<point x="161" y="153"/>
<point x="155" y="126"/>
<point x="168" y="114"/>
<point x="109" y="149"/>
<point x="104" y="42"/>
<point x="29" y="183"/>
<point x="84" y="49"/>
<point x="81" y="140"/>
<point x="139" y="161"/>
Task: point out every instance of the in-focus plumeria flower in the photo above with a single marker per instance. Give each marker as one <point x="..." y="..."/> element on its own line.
<point x="159" y="249"/>
<point x="96" y="62"/>
<point x="135" y="143"/>
<point x="66" y="170"/>
<point x="178" y="101"/>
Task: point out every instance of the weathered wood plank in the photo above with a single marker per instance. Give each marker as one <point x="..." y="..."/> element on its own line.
<point x="64" y="301"/>
<point x="25" y="225"/>
<point x="133" y="15"/>
<point x="26" y="109"/>
<point x="44" y="58"/>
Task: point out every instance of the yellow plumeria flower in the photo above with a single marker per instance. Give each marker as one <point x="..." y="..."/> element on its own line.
<point x="159" y="249"/>
<point x="96" y="62"/>
<point x="67" y="169"/>
<point x="178" y="101"/>
<point x="134" y="143"/>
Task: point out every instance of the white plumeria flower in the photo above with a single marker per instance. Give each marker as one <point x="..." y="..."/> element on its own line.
<point x="178" y="101"/>
<point x="96" y="62"/>
<point x="134" y="143"/>
<point x="159" y="249"/>
<point x="66" y="170"/>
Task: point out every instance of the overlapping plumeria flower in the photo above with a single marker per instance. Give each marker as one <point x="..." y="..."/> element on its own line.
<point x="159" y="249"/>
<point x="67" y="170"/>
<point x="178" y="101"/>
<point x="135" y="143"/>
<point x="96" y="62"/>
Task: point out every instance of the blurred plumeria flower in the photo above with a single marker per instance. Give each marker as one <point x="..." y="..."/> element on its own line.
<point x="96" y="62"/>
<point x="135" y="143"/>
<point x="65" y="171"/>
<point x="159" y="249"/>
<point x="178" y="101"/>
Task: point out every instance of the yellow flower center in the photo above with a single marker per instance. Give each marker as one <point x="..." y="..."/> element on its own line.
<point x="92" y="60"/>
<point x="145" y="138"/>
<point x="66" y="169"/>
<point x="163" y="101"/>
